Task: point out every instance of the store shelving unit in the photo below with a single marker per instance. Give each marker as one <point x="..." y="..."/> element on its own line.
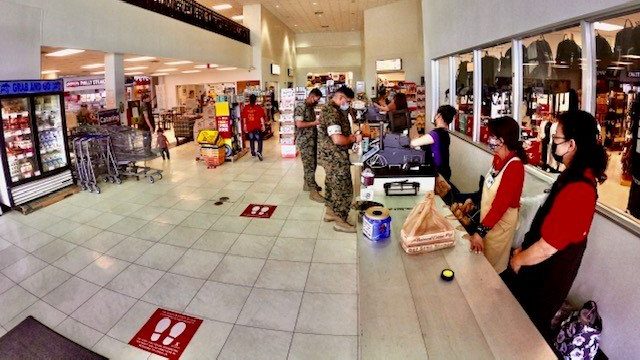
<point x="288" y="99"/>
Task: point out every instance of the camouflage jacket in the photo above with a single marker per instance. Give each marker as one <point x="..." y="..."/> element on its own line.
<point x="332" y="120"/>
<point x="306" y="114"/>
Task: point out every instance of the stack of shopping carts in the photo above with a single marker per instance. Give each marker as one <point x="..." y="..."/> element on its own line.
<point x="130" y="147"/>
<point x="94" y="161"/>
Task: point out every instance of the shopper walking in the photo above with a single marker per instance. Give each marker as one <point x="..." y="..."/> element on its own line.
<point x="545" y="267"/>
<point x="501" y="194"/>
<point x="163" y="144"/>
<point x="253" y="117"/>
<point x="307" y="140"/>
<point x="439" y="140"/>
<point x="334" y="140"/>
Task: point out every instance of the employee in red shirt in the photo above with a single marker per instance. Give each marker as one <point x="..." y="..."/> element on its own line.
<point x="253" y="117"/>
<point x="546" y="265"/>
<point x="501" y="194"/>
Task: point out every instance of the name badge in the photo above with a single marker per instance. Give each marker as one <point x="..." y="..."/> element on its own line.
<point x="490" y="181"/>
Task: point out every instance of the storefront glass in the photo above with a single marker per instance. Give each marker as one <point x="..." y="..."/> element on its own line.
<point x="618" y="82"/>
<point x="497" y="80"/>
<point x="444" y="97"/>
<point x="552" y="79"/>
<point x="464" y="94"/>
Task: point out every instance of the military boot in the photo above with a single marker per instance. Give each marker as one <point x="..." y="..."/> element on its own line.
<point x="329" y="215"/>
<point x="315" y="196"/>
<point x="343" y="226"/>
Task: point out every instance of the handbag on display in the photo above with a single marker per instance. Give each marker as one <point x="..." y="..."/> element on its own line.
<point x="425" y="229"/>
<point x="625" y="43"/>
<point x="579" y="335"/>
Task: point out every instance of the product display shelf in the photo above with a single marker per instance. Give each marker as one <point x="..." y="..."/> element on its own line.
<point x="288" y="102"/>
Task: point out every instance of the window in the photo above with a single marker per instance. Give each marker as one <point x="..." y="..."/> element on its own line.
<point x="443" y="87"/>
<point x="552" y="80"/>
<point x="464" y="94"/>
<point x="497" y="80"/>
<point x="618" y="82"/>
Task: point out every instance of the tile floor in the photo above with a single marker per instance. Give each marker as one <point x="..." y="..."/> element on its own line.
<point x="95" y="267"/>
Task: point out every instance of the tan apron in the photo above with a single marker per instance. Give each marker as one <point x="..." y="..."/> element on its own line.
<point x="497" y="243"/>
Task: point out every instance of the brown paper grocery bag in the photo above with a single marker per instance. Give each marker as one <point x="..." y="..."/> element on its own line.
<point x="425" y="229"/>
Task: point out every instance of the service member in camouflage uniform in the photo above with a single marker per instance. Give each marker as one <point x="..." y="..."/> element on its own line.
<point x="334" y="141"/>
<point x="307" y="141"/>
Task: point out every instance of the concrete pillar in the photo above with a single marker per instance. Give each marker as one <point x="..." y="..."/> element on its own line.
<point x="20" y="41"/>
<point x="253" y="21"/>
<point x="114" y="80"/>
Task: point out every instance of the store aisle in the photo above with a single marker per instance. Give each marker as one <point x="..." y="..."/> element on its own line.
<point x="95" y="267"/>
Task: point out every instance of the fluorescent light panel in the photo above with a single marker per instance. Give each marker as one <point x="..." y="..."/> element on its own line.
<point x="49" y="72"/>
<point x="607" y="26"/>
<point x="98" y="73"/>
<point x="190" y="71"/>
<point x="134" y="68"/>
<point x="133" y="73"/>
<point x="181" y="62"/>
<point x="92" y="66"/>
<point x="227" y="68"/>
<point x="65" y="52"/>
<point x="167" y="70"/>
<point x="237" y="17"/>
<point x="160" y="74"/>
<point x="221" y="7"/>
<point x="140" y="58"/>
<point x="206" y="66"/>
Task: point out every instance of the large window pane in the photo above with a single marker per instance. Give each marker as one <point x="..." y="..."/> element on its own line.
<point x="552" y="76"/>
<point x="497" y="81"/>
<point x="464" y="94"/>
<point x="443" y="88"/>
<point x="618" y="82"/>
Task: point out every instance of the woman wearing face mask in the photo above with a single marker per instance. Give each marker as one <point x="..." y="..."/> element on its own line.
<point x="501" y="194"/>
<point x="546" y="265"/>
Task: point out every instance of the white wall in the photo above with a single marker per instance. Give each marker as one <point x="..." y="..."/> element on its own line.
<point x="608" y="271"/>
<point x="109" y="26"/>
<point x="169" y="83"/>
<point x="278" y="47"/>
<point x="322" y="53"/>
<point x="395" y="31"/>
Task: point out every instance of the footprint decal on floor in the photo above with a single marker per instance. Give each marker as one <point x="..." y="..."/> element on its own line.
<point x="161" y="326"/>
<point x="176" y="330"/>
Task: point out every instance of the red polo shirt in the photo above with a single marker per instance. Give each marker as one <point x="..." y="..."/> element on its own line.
<point x="252" y="116"/>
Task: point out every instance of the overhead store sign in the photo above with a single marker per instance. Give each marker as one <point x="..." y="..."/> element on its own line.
<point x="275" y="69"/>
<point x="389" y="65"/>
<point x="74" y="84"/>
<point x="30" y="87"/>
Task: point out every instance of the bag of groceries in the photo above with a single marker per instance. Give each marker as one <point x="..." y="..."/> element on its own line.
<point x="425" y="229"/>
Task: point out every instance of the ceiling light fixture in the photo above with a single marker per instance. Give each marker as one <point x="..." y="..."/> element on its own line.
<point x="190" y="71"/>
<point x="136" y="68"/>
<point x="622" y="62"/>
<point x="221" y="7"/>
<point x="606" y="26"/>
<point x="49" y="72"/>
<point x="167" y="70"/>
<point x="237" y="17"/>
<point x="631" y="56"/>
<point x="140" y="58"/>
<point x="227" y="68"/>
<point x="615" y="68"/>
<point x="98" y="73"/>
<point x="181" y="62"/>
<point x="160" y="74"/>
<point x="134" y="73"/>
<point x="65" y="52"/>
<point x="206" y="66"/>
<point x="92" y="66"/>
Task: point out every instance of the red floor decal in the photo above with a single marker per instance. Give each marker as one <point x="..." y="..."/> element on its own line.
<point x="259" y="211"/>
<point x="166" y="333"/>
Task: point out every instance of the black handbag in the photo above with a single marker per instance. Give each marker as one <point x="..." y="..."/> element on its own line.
<point x="625" y="44"/>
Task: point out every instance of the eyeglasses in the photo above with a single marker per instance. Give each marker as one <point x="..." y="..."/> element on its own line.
<point x="554" y="137"/>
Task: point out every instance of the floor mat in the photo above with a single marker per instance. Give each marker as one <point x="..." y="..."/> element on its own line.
<point x="33" y="340"/>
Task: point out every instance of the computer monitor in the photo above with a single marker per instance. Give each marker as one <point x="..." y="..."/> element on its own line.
<point x="399" y="121"/>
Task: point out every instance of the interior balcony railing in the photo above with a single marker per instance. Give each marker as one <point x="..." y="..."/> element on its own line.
<point x="193" y="13"/>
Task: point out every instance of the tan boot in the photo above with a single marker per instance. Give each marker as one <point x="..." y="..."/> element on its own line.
<point x="343" y="226"/>
<point x="305" y="187"/>
<point x="315" y="196"/>
<point x="329" y="215"/>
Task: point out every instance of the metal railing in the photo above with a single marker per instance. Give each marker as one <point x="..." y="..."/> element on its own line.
<point x="192" y="12"/>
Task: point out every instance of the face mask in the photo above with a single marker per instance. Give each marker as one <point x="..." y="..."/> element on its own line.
<point x="345" y="107"/>
<point x="556" y="157"/>
<point x="494" y="144"/>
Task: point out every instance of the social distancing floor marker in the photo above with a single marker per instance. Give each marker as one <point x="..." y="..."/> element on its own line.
<point x="154" y="337"/>
<point x="259" y="211"/>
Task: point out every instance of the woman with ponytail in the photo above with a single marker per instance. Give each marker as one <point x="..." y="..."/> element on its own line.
<point x="544" y="268"/>
<point x="501" y="194"/>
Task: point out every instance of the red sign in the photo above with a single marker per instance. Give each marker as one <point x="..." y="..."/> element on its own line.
<point x="224" y="126"/>
<point x="166" y="333"/>
<point x="259" y="211"/>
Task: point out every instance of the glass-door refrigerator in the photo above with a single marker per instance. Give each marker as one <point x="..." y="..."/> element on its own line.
<point x="35" y="156"/>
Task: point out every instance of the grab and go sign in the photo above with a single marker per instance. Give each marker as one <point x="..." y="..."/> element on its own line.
<point x="30" y="87"/>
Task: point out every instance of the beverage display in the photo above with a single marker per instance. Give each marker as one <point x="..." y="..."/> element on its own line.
<point x="18" y="139"/>
<point x="50" y="130"/>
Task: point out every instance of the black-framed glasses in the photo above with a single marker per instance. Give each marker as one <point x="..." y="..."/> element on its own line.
<point x="554" y="137"/>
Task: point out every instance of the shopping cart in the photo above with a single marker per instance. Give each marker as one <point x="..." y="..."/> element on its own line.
<point x="130" y="147"/>
<point x="94" y="160"/>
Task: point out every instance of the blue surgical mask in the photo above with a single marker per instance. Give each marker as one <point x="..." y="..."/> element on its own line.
<point x="493" y="144"/>
<point x="345" y="107"/>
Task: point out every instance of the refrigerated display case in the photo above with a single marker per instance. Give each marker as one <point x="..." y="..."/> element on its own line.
<point x="35" y="157"/>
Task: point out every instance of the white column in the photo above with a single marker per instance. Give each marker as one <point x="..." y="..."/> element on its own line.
<point x="114" y="80"/>
<point x="252" y="19"/>
<point x="453" y="71"/>
<point x="435" y="88"/>
<point x="517" y="80"/>
<point x="589" y="67"/>
<point x="477" y="94"/>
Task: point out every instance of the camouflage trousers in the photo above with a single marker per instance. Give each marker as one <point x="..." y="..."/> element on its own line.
<point x="309" y="155"/>
<point x="339" y="189"/>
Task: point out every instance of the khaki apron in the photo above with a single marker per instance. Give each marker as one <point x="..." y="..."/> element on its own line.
<point x="497" y="243"/>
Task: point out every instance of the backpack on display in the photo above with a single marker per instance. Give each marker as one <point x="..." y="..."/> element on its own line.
<point x="625" y="44"/>
<point x="568" y="52"/>
<point x="579" y="334"/>
<point x="603" y="50"/>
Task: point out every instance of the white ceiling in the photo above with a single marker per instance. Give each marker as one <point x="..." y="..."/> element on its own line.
<point x="299" y="15"/>
<point x="72" y="65"/>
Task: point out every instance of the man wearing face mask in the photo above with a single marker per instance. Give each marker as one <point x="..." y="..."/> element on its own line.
<point x="334" y="140"/>
<point x="307" y="141"/>
<point x="501" y="194"/>
<point x="439" y="139"/>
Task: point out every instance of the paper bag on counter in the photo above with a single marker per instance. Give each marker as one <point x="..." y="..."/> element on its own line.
<point x="426" y="229"/>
